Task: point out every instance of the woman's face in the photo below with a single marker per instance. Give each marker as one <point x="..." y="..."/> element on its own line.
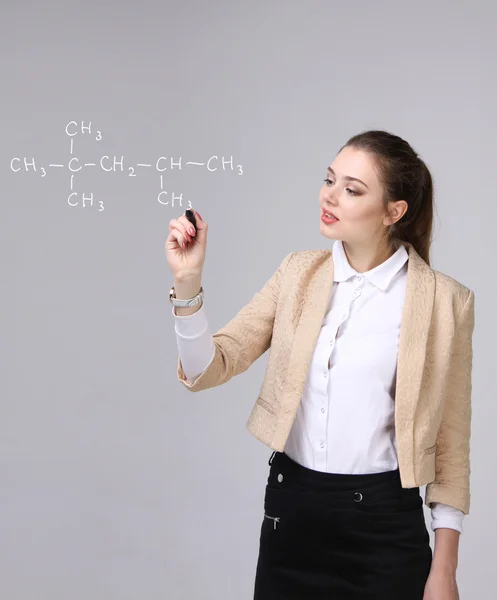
<point x="357" y="204"/>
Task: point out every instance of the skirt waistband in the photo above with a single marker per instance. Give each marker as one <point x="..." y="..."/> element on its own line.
<point x="285" y="473"/>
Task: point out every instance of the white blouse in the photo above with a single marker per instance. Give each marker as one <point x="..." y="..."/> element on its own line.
<point x="345" y="422"/>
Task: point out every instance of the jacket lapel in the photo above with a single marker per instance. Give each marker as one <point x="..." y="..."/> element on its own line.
<point x="416" y="318"/>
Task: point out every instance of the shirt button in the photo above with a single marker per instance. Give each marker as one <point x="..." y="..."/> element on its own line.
<point x="322" y="444"/>
<point x="322" y="410"/>
<point x="331" y="342"/>
<point x="344" y="316"/>
<point x="280" y="477"/>
<point x="325" y="373"/>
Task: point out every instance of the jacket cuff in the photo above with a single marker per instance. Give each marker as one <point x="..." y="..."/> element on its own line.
<point x="448" y="494"/>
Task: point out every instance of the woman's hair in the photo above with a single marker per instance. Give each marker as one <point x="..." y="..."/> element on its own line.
<point x="404" y="176"/>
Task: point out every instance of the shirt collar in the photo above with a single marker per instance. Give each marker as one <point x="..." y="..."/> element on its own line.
<point x="380" y="276"/>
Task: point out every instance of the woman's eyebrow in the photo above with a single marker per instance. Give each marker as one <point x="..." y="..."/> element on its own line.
<point x="348" y="178"/>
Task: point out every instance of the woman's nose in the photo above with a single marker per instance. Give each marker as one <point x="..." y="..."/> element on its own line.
<point x="330" y="200"/>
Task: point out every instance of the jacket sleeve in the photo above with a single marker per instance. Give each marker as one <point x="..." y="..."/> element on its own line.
<point x="452" y="462"/>
<point x="244" y="339"/>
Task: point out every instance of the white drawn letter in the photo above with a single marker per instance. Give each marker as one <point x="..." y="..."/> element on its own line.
<point x="180" y="198"/>
<point x="101" y="164"/>
<point x="67" y="128"/>
<point x="209" y="162"/>
<point x="230" y="162"/>
<point x="157" y="164"/>
<point x="90" y="198"/>
<point x="74" y="170"/>
<point x="118" y="163"/>
<point x="26" y="164"/>
<point x="158" y="198"/>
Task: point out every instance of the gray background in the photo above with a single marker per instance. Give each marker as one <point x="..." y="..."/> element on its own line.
<point x="116" y="482"/>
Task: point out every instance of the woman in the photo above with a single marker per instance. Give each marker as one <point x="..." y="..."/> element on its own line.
<point x="367" y="392"/>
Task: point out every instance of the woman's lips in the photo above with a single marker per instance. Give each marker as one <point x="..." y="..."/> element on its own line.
<point x="328" y="220"/>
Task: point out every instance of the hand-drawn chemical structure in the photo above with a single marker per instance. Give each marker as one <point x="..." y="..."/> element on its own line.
<point x="108" y="164"/>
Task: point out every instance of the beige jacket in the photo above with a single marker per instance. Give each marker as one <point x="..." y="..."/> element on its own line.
<point x="434" y="365"/>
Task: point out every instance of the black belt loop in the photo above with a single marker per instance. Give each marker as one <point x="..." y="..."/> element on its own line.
<point x="271" y="458"/>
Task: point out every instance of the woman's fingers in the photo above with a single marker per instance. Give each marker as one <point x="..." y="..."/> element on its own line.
<point x="182" y="225"/>
<point x="189" y="228"/>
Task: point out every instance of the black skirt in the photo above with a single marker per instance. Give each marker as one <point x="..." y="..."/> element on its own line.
<point x="340" y="536"/>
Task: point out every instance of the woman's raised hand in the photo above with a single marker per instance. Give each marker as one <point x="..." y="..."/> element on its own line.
<point x="185" y="250"/>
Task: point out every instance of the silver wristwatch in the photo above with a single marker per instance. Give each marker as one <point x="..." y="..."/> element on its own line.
<point x="188" y="301"/>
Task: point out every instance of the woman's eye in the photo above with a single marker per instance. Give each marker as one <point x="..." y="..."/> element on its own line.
<point x="328" y="181"/>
